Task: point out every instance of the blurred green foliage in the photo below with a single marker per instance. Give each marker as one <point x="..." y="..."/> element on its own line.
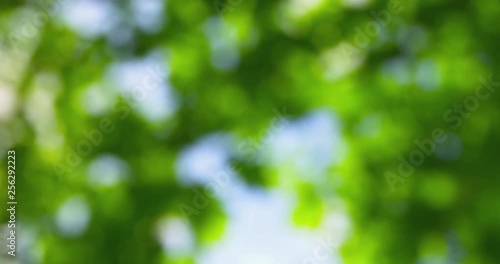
<point x="428" y="58"/>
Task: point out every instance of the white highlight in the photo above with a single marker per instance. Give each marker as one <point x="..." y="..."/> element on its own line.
<point x="144" y="83"/>
<point x="107" y="170"/>
<point x="201" y="160"/>
<point x="175" y="237"/>
<point x="7" y="102"/>
<point x="73" y="217"/>
<point x="90" y="18"/>
<point x="148" y="14"/>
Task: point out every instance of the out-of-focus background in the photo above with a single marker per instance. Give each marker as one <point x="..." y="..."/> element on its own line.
<point x="251" y="132"/>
